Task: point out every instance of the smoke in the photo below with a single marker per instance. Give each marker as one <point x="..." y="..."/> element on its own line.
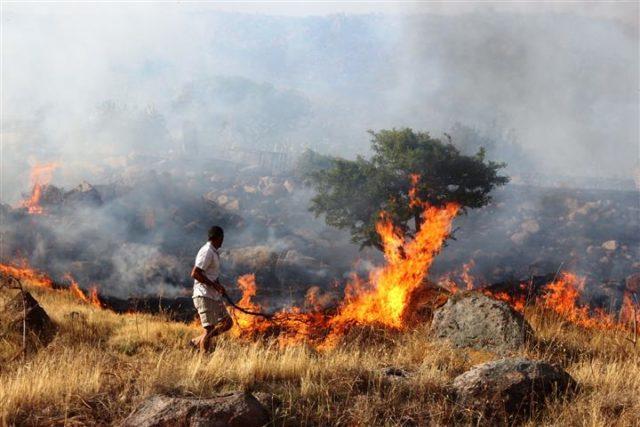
<point x="88" y="85"/>
<point x="561" y="81"/>
<point x="113" y="91"/>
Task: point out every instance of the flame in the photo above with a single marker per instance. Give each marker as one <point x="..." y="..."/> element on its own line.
<point x="466" y="277"/>
<point x="517" y="302"/>
<point x="562" y="296"/>
<point x="447" y="280"/>
<point x="41" y="175"/>
<point x="247" y="284"/>
<point x="75" y="290"/>
<point x="24" y="272"/>
<point x="381" y="300"/>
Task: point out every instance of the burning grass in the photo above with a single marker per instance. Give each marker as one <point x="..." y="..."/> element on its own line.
<point x="102" y="364"/>
<point x="326" y="368"/>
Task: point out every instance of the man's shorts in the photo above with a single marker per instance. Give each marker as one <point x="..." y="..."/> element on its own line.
<point x="211" y="311"/>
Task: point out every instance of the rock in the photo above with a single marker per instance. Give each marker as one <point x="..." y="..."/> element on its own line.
<point x="270" y="187"/>
<point x="234" y="409"/>
<point x="530" y="226"/>
<point x="250" y="189"/>
<point x="249" y="259"/>
<point x="509" y="389"/>
<point x="610" y="245"/>
<point x="393" y="372"/>
<point x="51" y="195"/>
<point x="84" y="193"/>
<point x="519" y="237"/>
<point x="478" y="321"/>
<point x="289" y="185"/>
<point x="228" y="202"/>
<point x="40" y="328"/>
<point x="271" y="402"/>
<point x="632" y="283"/>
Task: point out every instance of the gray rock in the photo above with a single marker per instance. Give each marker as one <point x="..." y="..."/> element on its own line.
<point x="83" y="194"/>
<point x="508" y="389"/>
<point x="393" y="372"/>
<point x="477" y="321"/>
<point x="237" y="409"/>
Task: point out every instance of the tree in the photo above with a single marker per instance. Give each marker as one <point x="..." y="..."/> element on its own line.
<point x="352" y="193"/>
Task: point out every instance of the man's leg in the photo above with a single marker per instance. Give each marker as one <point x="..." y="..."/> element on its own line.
<point x="205" y="338"/>
<point x="213" y="331"/>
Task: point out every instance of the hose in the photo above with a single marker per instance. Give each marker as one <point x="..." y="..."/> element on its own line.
<point x="245" y="311"/>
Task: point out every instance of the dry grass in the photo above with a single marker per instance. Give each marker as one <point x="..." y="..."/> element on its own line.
<point x="101" y="365"/>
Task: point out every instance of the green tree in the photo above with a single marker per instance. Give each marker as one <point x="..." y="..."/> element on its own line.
<point x="351" y="193"/>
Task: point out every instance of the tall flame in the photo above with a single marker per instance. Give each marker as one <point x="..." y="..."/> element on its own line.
<point x="75" y="290"/>
<point x="41" y="175"/>
<point x="383" y="299"/>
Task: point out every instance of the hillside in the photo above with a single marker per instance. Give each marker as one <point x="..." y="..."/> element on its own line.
<point x="101" y="365"/>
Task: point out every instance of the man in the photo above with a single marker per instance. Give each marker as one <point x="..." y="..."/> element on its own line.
<point x="207" y="291"/>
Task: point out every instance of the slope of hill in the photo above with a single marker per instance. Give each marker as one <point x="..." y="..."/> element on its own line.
<point x="101" y="365"/>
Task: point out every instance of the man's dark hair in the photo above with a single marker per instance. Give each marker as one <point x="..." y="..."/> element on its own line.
<point x="216" y="232"/>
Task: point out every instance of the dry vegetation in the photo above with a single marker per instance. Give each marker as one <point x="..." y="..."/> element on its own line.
<point x="101" y="365"/>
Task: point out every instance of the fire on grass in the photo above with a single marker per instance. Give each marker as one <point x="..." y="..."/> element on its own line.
<point x="382" y="300"/>
<point x="386" y="299"/>
<point x="25" y="273"/>
<point x="563" y="297"/>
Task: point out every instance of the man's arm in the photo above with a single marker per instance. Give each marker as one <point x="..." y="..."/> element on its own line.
<point x="198" y="274"/>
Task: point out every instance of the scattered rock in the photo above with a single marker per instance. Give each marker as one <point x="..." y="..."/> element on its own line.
<point x="610" y="245"/>
<point x="519" y="237"/>
<point x="270" y="187"/>
<point x="530" y="226"/>
<point x="393" y="372"/>
<point x="234" y="409"/>
<point x="249" y="259"/>
<point x="508" y="389"/>
<point x="478" y="321"/>
<point x="289" y="185"/>
<point x="84" y="193"/>
<point x="39" y="327"/>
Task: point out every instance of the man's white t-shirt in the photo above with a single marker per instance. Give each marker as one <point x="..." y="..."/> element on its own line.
<point x="209" y="261"/>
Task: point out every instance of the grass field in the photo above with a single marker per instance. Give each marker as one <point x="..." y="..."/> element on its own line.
<point x="101" y="365"/>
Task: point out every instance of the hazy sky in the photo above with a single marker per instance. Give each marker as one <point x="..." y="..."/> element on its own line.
<point x="563" y="75"/>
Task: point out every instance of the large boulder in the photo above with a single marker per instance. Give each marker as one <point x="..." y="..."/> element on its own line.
<point x="508" y="389"/>
<point x="23" y="313"/>
<point x="234" y="409"/>
<point x="477" y="321"/>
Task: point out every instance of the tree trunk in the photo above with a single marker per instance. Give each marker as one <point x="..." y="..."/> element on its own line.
<point x="418" y="219"/>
